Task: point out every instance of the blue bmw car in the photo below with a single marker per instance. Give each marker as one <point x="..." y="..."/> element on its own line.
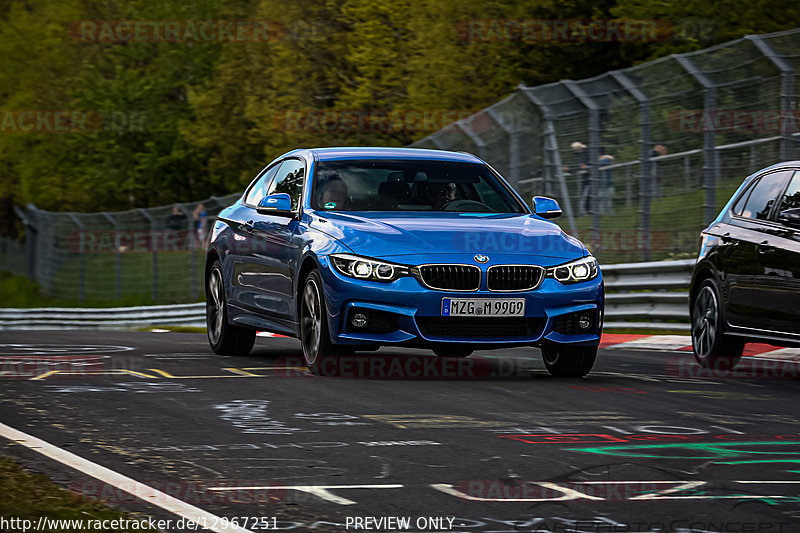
<point x="351" y="249"/>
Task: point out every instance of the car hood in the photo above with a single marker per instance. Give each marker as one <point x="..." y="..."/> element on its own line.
<point x="391" y="234"/>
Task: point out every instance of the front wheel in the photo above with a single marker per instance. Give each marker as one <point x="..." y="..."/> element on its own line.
<point x="318" y="350"/>
<point x="712" y="348"/>
<point x="568" y="361"/>
<point x="224" y="338"/>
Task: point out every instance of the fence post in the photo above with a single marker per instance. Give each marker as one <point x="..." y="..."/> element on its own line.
<point x="645" y="149"/>
<point x="710" y="155"/>
<point x="154" y="244"/>
<point x="192" y="251"/>
<point x="82" y="282"/>
<point x="513" y="148"/>
<point x="787" y="93"/>
<point x="117" y="256"/>
<point x="551" y="146"/>
<point x="594" y="153"/>
<point x="479" y="143"/>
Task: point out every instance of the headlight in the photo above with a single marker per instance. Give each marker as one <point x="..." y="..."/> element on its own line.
<point x="583" y="269"/>
<point x="369" y="269"/>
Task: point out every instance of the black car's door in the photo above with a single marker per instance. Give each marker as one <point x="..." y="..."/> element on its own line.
<point x="742" y="244"/>
<point x="777" y="296"/>
<point x="274" y="247"/>
<point x="749" y="234"/>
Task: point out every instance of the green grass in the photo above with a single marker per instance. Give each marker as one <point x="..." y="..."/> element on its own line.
<point x="29" y="496"/>
<point x="175" y="283"/>
<point x="677" y="218"/>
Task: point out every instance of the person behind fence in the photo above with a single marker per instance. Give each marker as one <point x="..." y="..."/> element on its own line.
<point x="176" y="220"/>
<point x="199" y="219"/>
<point x="658" y="150"/>
<point x="606" y="184"/>
<point x="580" y="169"/>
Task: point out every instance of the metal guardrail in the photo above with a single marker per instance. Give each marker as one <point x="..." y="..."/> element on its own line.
<point x="638" y="295"/>
<point x="648" y="295"/>
<point x="103" y="318"/>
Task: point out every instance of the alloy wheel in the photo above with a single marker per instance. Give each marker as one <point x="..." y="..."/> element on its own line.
<point x="704" y="322"/>
<point x="311" y="321"/>
<point x="215" y="307"/>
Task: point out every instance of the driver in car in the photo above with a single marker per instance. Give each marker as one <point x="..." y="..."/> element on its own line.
<point x="441" y="193"/>
<point x="333" y="193"/>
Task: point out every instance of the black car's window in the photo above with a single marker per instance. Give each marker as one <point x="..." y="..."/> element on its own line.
<point x="790" y="203"/>
<point x="738" y="207"/>
<point x="259" y="188"/>
<point x="409" y="185"/>
<point x="765" y="192"/>
<point x="290" y="180"/>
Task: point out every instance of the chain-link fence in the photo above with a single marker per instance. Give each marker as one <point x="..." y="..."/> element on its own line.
<point x="137" y="256"/>
<point x="643" y="158"/>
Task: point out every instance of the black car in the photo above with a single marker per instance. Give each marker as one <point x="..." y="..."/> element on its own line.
<point x="746" y="283"/>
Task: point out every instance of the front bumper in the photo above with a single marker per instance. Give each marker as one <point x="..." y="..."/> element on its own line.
<point x="407" y="313"/>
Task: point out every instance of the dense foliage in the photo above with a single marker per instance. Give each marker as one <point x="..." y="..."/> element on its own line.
<point x="168" y="120"/>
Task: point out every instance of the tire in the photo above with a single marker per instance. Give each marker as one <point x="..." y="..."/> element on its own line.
<point x="452" y="350"/>
<point x="712" y="348"/>
<point x="318" y="350"/>
<point x="224" y="338"/>
<point x="568" y="361"/>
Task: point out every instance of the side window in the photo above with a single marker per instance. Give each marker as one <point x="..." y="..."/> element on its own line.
<point x="764" y="194"/>
<point x="290" y="180"/>
<point x="790" y="203"/>
<point x="738" y="207"/>
<point x="259" y="189"/>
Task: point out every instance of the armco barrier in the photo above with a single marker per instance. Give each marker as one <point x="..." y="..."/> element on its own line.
<point x="638" y="295"/>
<point x="103" y="318"/>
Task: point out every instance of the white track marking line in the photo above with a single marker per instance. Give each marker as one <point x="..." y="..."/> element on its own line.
<point x="124" y="483"/>
<point x="321" y="491"/>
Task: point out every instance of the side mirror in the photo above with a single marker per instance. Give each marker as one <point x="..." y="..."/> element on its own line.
<point x="546" y="207"/>
<point x="276" y="204"/>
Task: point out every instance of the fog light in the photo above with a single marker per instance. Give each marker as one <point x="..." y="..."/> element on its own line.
<point x="585" y="321"/>
<point x="359" y="320"/>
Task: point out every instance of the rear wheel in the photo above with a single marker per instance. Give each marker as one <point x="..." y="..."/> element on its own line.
<point x="712" y="348"/>
<point x="318" y="350"/>
<point x="224" y="338"/>
<point x="568" y="361"/>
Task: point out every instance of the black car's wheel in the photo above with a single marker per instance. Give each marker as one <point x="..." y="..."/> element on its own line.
<point x="568" y="361"/>
<point x="452" y="350"/>
<point x="224" y="338"/>
<point x="712" y="348"/>
<point x="314" y="336"/>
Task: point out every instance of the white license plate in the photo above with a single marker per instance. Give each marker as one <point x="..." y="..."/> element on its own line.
<point x="483" y="306"/>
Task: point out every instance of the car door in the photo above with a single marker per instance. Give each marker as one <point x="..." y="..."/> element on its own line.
<point x="777" y="296"/>
<point x="751" y="226"/>
<point x="274" y="248"/>
<point x="241" y="219"/>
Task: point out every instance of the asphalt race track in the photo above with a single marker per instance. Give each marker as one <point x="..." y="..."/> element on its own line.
<point x="644" y="443"/>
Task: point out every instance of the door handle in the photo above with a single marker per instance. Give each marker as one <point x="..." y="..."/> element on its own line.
<point x="728" y="240"/>
<point x="248" y="225"/>
<point x="765" y="248"/>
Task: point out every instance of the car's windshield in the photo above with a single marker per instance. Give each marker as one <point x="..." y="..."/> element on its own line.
<point x="409" y="185"/>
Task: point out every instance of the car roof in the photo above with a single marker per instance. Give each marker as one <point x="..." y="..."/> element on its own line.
<point x="373" y="152"/>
